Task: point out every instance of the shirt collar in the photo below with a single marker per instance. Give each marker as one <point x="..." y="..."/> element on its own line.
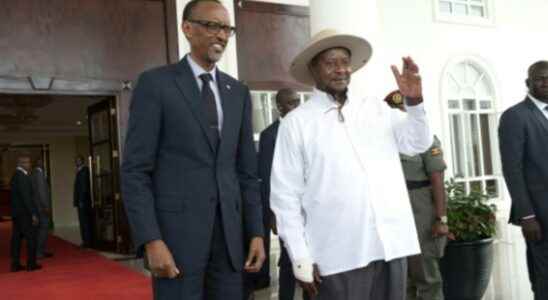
<point x="326" y="101"/>
<point x="23" y="170"/>
<point x="198" y="70"/>
<point x="541" y="105"/>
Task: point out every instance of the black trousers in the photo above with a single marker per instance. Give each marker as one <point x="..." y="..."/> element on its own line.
<point x="218" y="280"/>
<point x="537" y="263"/>
<point x="42" y="234"/>
<point x="86" y="226"/>
<point x="23" y="229"/>
<point x="287" y="281"/>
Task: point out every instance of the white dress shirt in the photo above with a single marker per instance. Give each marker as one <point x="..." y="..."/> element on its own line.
<point x="541" y="105"/>
<point x="198" y="70"/>
<point x="337" y="188"/>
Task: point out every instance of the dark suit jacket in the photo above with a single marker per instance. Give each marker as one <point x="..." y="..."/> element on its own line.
<point x="82" y="192"/>
<point x="523" y="137"/>
<point x="40" y="190"/>
<point x="22" y="203"/>
<point x="173" y="178"/>
<point x="266" y="155"/>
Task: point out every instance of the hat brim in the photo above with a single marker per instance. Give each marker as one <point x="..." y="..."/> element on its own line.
<point x="359" y="48"/>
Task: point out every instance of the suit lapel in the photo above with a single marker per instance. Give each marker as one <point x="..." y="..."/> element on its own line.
<point x="189" y="88"/>
<point x="538" y="115"/>
<point x="229" y="115"/>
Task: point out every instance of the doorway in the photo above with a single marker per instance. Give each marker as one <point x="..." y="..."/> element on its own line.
<point x="59" y="128"/>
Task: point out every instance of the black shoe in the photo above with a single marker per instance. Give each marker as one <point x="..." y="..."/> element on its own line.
<point x="34" y="267"/>
<point x="17" y="268"/>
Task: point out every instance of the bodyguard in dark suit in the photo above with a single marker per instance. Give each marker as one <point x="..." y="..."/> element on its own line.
<point x="523" y="136"/>
<point x="82" y="202"/>
<point x="189" y="178"/>
<point x="43" y="203"/>
<point x="286" y="101"/>
<point x="24" y="215"/>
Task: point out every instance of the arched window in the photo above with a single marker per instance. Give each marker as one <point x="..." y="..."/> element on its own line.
<point x="470" y="101"/>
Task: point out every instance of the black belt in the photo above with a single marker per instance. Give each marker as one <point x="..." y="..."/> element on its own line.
<point x="413" y="185"/>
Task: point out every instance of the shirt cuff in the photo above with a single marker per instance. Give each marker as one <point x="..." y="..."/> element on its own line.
<point x="304" y="270"/>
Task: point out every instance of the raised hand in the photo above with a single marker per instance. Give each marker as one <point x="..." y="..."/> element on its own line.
<point x="409" y="81"/>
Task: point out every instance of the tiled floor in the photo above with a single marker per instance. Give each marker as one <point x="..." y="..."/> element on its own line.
<point x="509" y="280"/>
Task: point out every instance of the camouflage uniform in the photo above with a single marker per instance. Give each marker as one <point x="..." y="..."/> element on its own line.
<point x="424" y="278"/>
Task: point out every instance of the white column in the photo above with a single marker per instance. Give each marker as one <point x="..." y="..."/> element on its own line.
<point x="229" y="61"/>
<point x="361" y="18"/>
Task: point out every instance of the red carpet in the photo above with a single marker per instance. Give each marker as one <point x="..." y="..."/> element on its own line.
<point x="71" y="274"/>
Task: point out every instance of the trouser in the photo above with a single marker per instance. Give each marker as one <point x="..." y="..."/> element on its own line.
<point x="218" y="281"/>
<point x="23" y="229"/>
<point x="537" y="263"/>
<point x="86" y="227"/>
<point x="424" y="278"/>
<point x="380" y="280"/>
<point x="42" y="235"/>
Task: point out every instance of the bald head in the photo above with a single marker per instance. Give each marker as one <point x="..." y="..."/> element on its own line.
<point x="537" y="80"/>
<point x="24" y="161"/>
<point x="286" y="101"/>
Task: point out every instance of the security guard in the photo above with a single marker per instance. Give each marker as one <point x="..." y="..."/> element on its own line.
<point x="424" y="176"/>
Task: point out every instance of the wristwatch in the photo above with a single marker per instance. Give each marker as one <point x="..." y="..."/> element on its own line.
<point x="442" y="220"/>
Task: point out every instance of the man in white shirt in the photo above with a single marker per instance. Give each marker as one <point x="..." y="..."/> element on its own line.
<point x="523" y="139"/>
<point x="337" y="187"/>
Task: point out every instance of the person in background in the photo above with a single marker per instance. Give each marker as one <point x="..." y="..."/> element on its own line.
<point x="523" y="142"/>
<point x="82" y="202"/>
<point x="42" y="199"/>
<point x="286" y="100"/>
<point x="25" y="216"/>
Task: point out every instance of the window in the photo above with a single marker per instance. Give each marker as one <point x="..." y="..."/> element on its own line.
<point x="265" y="111"/>
<point x="475" y="12"/>
<point x="475" y="8"/>
<point x="472" y="125"/>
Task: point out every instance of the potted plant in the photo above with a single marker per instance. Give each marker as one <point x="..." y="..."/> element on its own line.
<point x="468" y="261"/>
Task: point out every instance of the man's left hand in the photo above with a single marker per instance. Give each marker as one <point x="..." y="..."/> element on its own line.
<point x="409" y="81"/>
<point x="256" y="256"/>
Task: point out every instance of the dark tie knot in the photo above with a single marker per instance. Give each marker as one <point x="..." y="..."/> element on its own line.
<point x="206" y="78"/>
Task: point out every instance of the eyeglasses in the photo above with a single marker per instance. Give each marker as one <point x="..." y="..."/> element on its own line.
<point x="215" y="27"/>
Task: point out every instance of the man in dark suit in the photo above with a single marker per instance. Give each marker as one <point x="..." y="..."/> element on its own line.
<point x="523" y="136"/>
<point x="43" y="203"/>
<point x="24" y="215"/>
<point x="189" y="179"/>
<point x="82" y="202"/>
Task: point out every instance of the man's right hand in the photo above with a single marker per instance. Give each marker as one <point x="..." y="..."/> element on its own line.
<point x="160" y="260"/>
<point x="531" y="230"/>
<point x="34" y="220"/>
<point x="312" y="288"/>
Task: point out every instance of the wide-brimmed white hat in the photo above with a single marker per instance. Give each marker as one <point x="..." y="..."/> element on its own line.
<point x="326" y="39"/>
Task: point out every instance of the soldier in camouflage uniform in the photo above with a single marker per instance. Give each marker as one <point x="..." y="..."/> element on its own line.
<point x="424" y="176"/>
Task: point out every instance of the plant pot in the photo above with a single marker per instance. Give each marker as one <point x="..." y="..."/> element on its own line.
<point x="466" y="269"/>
